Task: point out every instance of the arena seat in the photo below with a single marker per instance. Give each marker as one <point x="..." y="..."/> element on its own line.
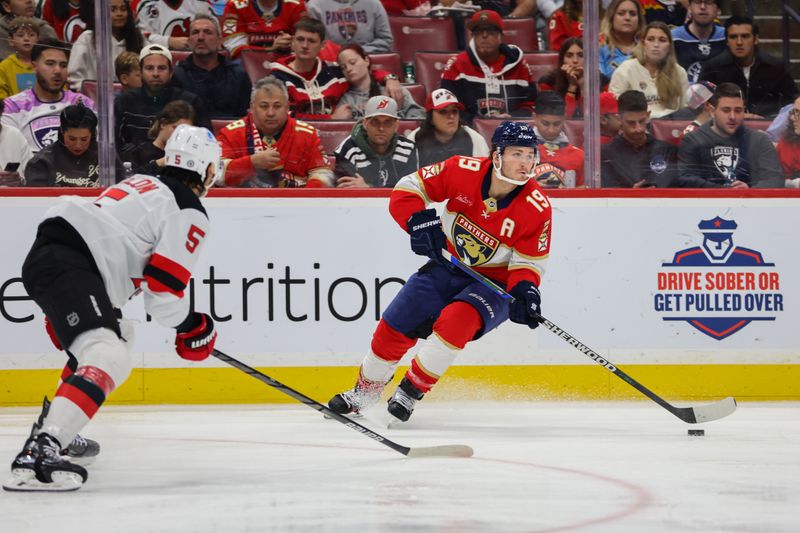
<point x="256" y="63"/>
<point x="407" y="126"/>
<point x="390" y="62"/>
<point x="520" y="32"/>
<point x="418" y="93"/>
<point x="542" y="58"/>
<point x="429" y="66"/>
<point x="537" y="71"/>
<point x="332" y="132"/>
<point x="574" y="131"/>
<point x="422" y="33"/>
<point x="89" y="88"/>
<point x="759" y="124"/>
<point x="218" y="124"/>
<point x="179" y="55"/>
<point x="668" y="130"/>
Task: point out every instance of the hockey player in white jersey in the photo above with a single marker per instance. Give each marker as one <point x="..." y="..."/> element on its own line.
<point x="89" y="258"/>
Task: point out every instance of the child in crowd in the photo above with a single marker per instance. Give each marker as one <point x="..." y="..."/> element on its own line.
<point x="16" y="71"/>
<point x="128" y="71"/>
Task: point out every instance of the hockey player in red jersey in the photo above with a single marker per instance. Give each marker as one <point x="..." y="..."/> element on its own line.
<point x="89" y="258"/>
<point x="497" y="220"/>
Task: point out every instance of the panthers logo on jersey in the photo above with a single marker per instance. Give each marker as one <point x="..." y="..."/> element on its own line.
<point x="474" y="246"/>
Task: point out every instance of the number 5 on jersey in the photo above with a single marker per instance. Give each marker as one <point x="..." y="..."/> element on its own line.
<point x="193" y="238"/>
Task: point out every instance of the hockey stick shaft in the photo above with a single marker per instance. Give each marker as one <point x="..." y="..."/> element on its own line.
<point x="691" y="415"/>
<point x="452" y="450"/>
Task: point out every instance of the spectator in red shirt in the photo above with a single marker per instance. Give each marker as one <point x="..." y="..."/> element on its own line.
<point x="64" y="17"/>
<point x="262" y="25"/>
<point x="609" y="117"/>
<point x="560" y="163"/>
<point x="268" y="148"/>
<point x="566" y="22"/>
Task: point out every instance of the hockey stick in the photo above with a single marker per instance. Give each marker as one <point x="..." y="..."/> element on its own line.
<point x="451" y="450"/>
<point x="691" y="415"/>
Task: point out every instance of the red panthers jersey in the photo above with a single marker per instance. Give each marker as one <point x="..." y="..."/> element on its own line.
<point x="69" y="29"/>
<point x="507" y="240"/>
<point x="243" y="27"/>
<point x="303" y="161"/>
<point x="555" y="161"/>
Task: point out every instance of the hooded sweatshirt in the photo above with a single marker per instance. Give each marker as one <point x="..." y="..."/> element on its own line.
<point x="362" y="21"/>
<point x="312" y="95"/>
<point x="505" y="86"/>
<point x="355" y="156"/>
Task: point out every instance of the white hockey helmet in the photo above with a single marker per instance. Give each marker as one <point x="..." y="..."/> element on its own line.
<point x="193" y="148"/>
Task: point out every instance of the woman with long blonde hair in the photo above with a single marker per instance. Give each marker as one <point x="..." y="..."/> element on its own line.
<point x="620" y="28"/>
<point x="654" y="71"/>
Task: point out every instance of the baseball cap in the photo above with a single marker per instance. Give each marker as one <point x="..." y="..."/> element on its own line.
<point x="485" y="18"/>
<point x="608" y="103"/>
<point x="380" y="105"/>
<point x="441" y="98"/>
<point x="698" y="93"/>
<point x="155" y="49"/>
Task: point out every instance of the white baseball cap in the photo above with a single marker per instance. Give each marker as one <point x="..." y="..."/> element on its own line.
<point x="155" y="50"/>
<point x="698" y="93"/>
<point x="380" y="105"/>
<point x="441" y="98"/>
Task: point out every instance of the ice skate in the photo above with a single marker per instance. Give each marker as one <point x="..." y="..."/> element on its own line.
<point x="40" y="467"/>
<point x="365" y="394"/>
<point x="402" y="402"/>
<point x="81" y="451"/>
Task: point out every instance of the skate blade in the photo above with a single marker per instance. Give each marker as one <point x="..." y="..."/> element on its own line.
<point x="81" y="461"/>
<point x="354" y="416"/>
<point x="24" y="480"/>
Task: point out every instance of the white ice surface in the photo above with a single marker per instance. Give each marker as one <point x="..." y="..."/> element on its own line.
<point x="595" y="467"/>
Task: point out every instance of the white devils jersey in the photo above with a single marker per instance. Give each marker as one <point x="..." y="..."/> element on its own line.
<point x="159" y="19"/>
<point x="144" y="233"/>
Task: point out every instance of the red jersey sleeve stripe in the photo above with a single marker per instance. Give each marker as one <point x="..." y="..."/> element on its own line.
<point x="165" y="275"/>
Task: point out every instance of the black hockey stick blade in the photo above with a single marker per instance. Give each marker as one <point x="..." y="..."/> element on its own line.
<point x="451" y="450"/>
<point x="692" y="415"/>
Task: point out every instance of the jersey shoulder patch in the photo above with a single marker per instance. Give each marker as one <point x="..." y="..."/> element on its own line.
<point x="184" y="196"/>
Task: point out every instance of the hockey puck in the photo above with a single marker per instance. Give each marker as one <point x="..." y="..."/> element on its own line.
<point x="697" y="432"/>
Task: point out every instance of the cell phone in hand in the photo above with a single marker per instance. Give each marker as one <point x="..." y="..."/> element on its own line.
<point x="12" y="166"/>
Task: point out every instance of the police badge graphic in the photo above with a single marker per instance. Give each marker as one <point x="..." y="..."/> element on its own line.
<point x="718" y="287"/>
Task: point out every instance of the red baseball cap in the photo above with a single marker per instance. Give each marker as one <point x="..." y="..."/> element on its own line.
<point x="485" y="18"/>
<point x="441" y="98"/>
<point x="608" y="103"/>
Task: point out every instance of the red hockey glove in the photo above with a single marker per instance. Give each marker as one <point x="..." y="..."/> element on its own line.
<point x="197" y="343"/>
<point x="48" y="327"/>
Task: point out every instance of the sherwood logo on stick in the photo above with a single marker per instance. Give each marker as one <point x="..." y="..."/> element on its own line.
<point x="718" y="287"/>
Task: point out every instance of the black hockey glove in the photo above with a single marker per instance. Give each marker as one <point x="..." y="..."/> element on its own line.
<point x="527" y="304"/>
<point x="427" y="237"/>
<point x="195" y="338"/>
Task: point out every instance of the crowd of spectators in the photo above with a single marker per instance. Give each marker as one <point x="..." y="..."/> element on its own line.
<point x="319" y="62"/>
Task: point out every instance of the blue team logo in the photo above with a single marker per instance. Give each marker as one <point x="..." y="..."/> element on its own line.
<point x="45" y="130"/>
<point x="718" y="287"/>
<point x="473" y="245"/>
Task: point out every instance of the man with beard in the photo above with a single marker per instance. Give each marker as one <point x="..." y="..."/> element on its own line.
<point x="700" y="38"/>
<point x="634" y="159"/>
<point x="725" y="153"/>
<point x="223" y="85"/>
<point x="766" y="84"/>
<point x="35" y="112"/>
<point x="135" y="111"/>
